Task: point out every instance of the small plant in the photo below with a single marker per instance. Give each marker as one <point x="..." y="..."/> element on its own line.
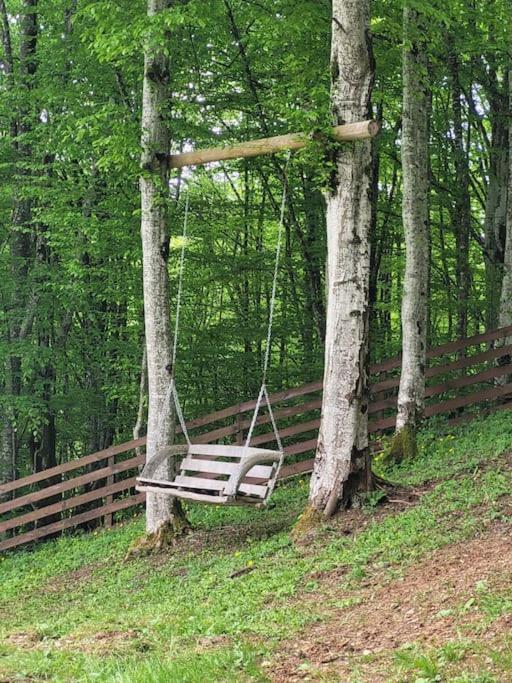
<point x="425" y="665"/>
<point x="373" y="498"/>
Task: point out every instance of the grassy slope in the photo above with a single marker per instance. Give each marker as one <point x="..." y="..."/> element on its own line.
<point x="73" y="610"/>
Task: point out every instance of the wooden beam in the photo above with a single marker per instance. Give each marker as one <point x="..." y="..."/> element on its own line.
<point x="362" y="130"/>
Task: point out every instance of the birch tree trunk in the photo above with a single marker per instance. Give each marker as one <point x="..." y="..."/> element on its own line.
<point x="496" y="198"/>
<point x="161" y="511"/>
<point x="342" y="466"/>
<point x="505" y="314"/>
<point x="415" y="164"/>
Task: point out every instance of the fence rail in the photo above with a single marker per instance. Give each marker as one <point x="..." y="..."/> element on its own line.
<point x="473" y="372"/>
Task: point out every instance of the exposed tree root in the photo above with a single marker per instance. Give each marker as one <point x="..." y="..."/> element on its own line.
<point x="164" y="537"/>
<point x="381" y="483"/>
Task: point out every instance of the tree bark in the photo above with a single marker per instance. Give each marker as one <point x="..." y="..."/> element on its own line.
<point x="154" y="180"/>
<point x="143" y="389"/>
<point x="462" y="208"/>
<point x="415" y="164"/>
<point x="505" y="315"/>
<point x="496" y="198"/>
<point x="342" y="466"/>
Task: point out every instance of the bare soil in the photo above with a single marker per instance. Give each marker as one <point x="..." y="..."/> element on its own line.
<point x="425" y="606"/>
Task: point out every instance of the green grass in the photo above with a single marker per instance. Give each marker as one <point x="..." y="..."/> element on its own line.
<point x="74" y="610"/>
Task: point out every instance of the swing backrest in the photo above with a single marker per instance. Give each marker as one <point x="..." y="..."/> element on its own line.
<point x="208" y="467"/>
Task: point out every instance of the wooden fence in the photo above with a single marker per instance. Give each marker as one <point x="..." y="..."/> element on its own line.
<point x="473" y="373"/>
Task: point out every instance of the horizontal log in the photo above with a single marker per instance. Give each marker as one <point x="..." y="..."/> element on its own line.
<point x="67" y="504"/>
<point x="348" y="132"/>
<point x="71" y="484"/>
<point x="63" y="524"/>
<point x="72" y="465"/>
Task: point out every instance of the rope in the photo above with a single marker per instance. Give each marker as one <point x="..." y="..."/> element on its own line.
<point x="180" y="290"/>
<point x="172" y="392"/>
<point x="276" y="273"/>
<point x="263" y="390"/>
<point x="179" y="411"/>
<point x="274" y="425"/>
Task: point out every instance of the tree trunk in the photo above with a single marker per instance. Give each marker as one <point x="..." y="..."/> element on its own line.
<point x="495" y="209"/>
<point x="462" y="208"/>
<point x="143" y="389"/>
<point x="161" y="511"/>
<point x="7" y="465"/>
<point x="505" y="316"/>
<point x="342" y="466"/>
<point x="415" y="164"/>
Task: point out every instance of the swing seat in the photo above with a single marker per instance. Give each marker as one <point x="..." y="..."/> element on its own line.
<point x="222" y="475"/>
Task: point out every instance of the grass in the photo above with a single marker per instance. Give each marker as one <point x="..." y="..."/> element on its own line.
<point x="73" y="610"/>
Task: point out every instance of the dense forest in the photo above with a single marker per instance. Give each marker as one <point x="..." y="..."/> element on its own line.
<point x="72" y="366"/>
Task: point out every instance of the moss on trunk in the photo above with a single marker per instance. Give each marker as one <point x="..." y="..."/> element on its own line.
<point x="164" y="537"/>
<point x="404" y="445"/>
<point x="308" y="522"/>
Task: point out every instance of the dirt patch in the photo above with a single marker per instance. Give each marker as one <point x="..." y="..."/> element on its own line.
<point x="207" y="643"/>
<point x="70" y="580"/>
<point x="103" y="642"/>
<point x="424" y="607"/>
<point x="25" y="640"/>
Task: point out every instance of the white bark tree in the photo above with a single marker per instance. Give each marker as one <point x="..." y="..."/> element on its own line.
<point x="162" y="512"/>
<point x="506" y="287"/>
<point x="505" y="314"/>
<point x="342" y="465"/>
<point x="415" y="213"/>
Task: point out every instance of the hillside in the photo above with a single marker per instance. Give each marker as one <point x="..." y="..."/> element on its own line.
<point x="413" y="588"/>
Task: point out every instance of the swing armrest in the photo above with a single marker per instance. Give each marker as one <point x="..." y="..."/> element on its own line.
<point x="151" y="466"/>
<point x="246" y="466"/>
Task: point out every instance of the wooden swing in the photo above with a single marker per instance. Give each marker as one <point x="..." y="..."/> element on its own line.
<point x="219" y="474"/>
<point x="215" y="474"/>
